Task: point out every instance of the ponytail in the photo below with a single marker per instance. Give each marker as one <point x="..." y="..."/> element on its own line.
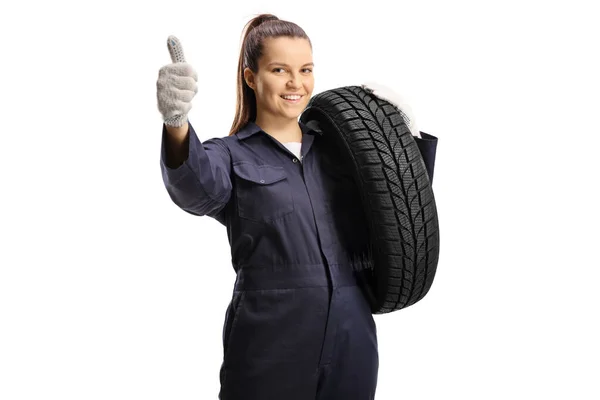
<point x="255" y="32"/>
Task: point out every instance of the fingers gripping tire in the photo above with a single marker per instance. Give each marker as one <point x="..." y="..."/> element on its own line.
<point x="374" y="142"/>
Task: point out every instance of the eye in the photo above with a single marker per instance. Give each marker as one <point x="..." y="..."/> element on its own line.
<point x="274" y="70"/>
<point x="308" y="69"/>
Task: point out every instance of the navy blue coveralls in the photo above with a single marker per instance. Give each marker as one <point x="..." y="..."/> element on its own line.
<point x="298" y="326"/>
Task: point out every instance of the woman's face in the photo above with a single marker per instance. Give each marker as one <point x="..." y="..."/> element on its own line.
<point x="286" y="68"/>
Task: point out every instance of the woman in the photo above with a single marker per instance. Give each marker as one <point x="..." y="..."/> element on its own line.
<point x="298" y="325"/>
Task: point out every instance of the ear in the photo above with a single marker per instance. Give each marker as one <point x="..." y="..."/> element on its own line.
<point x="249" y="78"/>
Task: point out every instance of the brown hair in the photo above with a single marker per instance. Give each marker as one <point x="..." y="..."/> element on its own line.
<point x="255" y="32"/>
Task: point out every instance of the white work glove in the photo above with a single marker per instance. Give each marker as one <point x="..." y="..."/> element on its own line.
<point x="176" y="86"/>
<point x="385" y="93"/>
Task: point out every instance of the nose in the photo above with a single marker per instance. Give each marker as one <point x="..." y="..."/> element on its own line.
<point x="295" y="81"/>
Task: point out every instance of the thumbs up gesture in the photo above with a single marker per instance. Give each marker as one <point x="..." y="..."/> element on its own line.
<point x="176" y="86"/>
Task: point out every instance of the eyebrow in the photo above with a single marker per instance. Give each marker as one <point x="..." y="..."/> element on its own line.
<point x="285" y="65"/>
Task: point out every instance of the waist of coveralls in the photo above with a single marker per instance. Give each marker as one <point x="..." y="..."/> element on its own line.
<point x="288" y="276"/>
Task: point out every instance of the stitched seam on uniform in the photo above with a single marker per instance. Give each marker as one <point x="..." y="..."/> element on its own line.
<point x="259" y="266"/>
<point x="275" y="167"/>
<point x="259" y="166"/>
<point x="212" y="195"/>
<point x="246" y="145"/>
<point x="198" y="180"/>
<point x="280" y="171"/>
<point x="242" y="289"/>
<point x="224" y="146"/>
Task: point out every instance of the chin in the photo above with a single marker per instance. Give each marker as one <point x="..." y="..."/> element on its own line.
<point x="293" y="117"/>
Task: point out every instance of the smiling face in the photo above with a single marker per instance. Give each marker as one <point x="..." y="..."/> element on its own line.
<point x="285" y="69"/>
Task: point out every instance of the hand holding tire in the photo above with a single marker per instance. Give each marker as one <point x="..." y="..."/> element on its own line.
<point x="385" y="93"/>
<point x="176" y="86"/>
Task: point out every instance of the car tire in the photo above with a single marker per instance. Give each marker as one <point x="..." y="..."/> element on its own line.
<point x="394" y="188"/>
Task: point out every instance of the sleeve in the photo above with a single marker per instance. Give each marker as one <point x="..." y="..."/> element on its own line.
<point x="427" y="146"/>
<point x="202" y="184"/>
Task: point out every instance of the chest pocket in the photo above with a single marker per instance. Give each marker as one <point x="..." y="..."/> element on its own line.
<point x="263" y="192"/>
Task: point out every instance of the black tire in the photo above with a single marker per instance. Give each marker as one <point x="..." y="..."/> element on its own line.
<point x="394" y="188"/>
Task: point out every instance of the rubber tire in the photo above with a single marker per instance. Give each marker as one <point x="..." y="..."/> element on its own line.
<point x="394" y="189"/>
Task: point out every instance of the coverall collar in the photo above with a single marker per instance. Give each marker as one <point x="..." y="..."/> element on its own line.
<point x="252" y="128"/>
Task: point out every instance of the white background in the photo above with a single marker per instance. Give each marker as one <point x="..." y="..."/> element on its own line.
<point x="109" y="291"/>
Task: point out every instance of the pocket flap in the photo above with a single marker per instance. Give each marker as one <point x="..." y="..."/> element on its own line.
<point x="259" y="174"/>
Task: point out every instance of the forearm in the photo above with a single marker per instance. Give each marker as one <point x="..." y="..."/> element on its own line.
<point x="177" y="145"/>
<point x="201" y="183"/>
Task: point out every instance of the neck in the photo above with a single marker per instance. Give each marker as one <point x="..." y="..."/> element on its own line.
<point x="284" y="130"/>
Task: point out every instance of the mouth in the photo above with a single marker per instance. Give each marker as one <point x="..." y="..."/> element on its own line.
<point x="292" y="99"/>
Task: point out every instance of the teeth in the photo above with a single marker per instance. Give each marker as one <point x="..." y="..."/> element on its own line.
<point x="296" y="97"/>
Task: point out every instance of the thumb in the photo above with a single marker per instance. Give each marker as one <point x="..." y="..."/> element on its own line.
<point x="175" y="49"/>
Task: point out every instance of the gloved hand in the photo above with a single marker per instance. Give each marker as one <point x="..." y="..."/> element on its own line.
<point x="385" y="93"/>
<point x="176" y="86"/>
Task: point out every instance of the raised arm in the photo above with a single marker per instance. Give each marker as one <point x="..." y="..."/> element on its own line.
<point x="195" y="174"/>
<point x="199" y="182"/>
